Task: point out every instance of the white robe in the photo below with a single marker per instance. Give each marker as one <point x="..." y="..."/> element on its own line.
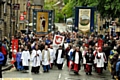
<point x="25" y="57"/>
<point x="52" y="55"/>
<point x="77" y="58"/>
<point x="36" y="60"/>
<point x="45" y="61"/>
<point x="59" y="59"/>
<point x="83" y="56"/>
<point x="100" y="62"/>
<point x="71" y="50"/>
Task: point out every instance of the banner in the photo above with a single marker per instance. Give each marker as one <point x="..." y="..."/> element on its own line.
<point x="58" y="40"/>
<point x="42" y="21"/>
<point x="84" y="19"/>
<point x="14" y="48"/>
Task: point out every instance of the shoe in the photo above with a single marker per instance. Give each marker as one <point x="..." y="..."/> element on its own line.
<point x="90" y="74"/>
<point x="44" y="71"/>
<point x="86" y="73"/>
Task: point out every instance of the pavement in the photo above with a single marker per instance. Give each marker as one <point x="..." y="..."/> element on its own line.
<point x="56" y="74"/>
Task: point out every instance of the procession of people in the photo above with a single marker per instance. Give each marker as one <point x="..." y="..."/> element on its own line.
<point x="92" y="52"/>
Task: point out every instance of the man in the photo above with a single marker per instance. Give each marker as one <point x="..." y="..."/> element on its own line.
<point x="46" y="59"/>
<point x="52" y="56"/>
<point x="1" y="61"/>
<point x="77" y="56"/>
<point x="113" y="52"/>
<point x="70" y="55"/>
<point x="89" y="56"/>
<point x="36" y="57"/>
<point x="118" y="68"/>
<point x="60" y="57"/>
<point x="100" y="60"/>
<point x="25" y="57"/>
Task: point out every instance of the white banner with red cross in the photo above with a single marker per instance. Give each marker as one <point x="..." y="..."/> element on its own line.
<point x="58" y="40"/>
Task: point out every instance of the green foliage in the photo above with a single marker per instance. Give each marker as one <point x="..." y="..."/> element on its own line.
<point x="65" y="1"/>
<point x="68" y="9"/>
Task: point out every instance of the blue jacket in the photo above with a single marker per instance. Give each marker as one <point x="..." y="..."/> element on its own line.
<point x="1" y="58"/>
<point x="118" y="68"/>
<point x="18" y="56"/>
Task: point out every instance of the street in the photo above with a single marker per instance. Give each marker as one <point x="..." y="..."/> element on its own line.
<point x="56" y="74"/>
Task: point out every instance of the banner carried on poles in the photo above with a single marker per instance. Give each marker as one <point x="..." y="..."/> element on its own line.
<point x="58" y="40"/>
<point x="14" y="48"/>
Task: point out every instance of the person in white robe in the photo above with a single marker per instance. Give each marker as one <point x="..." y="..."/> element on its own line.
<point x="100" y="60"/>
<point x="46" y="59"/>
<point x="25" y="57"/>
<point x="83" y="56"/>
<point x="52" y="56"/>
<point x="70" y="58"/>
<point x="77" y="56"/>
<point x="60" y="53"/>
<point x="36" y="58"/>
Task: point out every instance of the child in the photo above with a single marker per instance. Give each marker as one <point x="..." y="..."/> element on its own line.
<point x="18" y="60"/>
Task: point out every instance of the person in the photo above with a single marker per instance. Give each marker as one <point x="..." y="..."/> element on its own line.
<point x="70" y="58"/>
<point x="60" y="57"/>
<point x="18" y="60"/>
<point x="36" y="57"/>
<point x="52" y="56"/>
<point x="77" y="56"/>
<point x="89" y="56"/>
<point x="113" y="52"/>
<point x="46" y="59"/>
<point x="25" y="57"/>
<point x="42" y="23"/>
<point x="118" y="68"/>
<point x="83" y="57"/>
<point x="100" y="60"/>
<point x="113" y="64"/>
<point x="4" y="51"/>
<point x="1" y="62"/>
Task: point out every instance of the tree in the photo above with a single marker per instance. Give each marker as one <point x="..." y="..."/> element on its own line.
<point x="65" y="1"/>
<point x="68" y="9"/>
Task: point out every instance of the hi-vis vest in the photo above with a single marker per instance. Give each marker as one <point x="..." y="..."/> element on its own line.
<point x="114" y="52"/>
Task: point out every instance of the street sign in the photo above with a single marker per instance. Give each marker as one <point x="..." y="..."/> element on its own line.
<point x="16" y="6"/>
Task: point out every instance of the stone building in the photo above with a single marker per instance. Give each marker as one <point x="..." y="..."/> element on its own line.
<point x="10" y="12"/>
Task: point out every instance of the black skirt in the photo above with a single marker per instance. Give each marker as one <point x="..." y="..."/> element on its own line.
<point x="26" y="67"/>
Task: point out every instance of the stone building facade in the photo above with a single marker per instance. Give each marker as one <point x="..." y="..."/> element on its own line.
<point x="10" y="18"/>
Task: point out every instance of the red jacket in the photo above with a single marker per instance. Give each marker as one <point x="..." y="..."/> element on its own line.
<point x="3" y="50"/>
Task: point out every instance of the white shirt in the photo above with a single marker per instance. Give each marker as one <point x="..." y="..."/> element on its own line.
<point x="45" y="61"/>
<point x="25" y="57"/>
<point x="59" y="59"/>
<point x="77" y="58"/>
<point x="36" y="60"/>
